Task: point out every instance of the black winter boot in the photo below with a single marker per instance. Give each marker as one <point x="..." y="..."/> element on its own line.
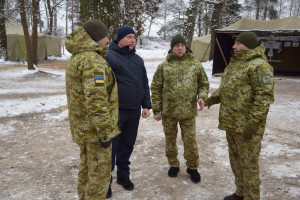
<point x="234" y="197"/>
<point x="173" y="171"/>
<point x="195" y="176"/>
<point x="126" y="183"/>
<point x="108" y="195"/>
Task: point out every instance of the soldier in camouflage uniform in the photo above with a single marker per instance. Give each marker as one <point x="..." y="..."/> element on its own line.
<point x="178" y="84"/>
<point x="92" y="96"/>
<point x="245" y="95"/>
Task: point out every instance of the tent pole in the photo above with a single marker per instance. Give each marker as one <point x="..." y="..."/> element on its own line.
<point x="205" y="51"/>
<point x="221" y="51"/>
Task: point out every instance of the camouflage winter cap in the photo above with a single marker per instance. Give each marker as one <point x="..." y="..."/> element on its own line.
<point x="96" y="29"/>
<point x="177" y="39"/>
<point x="248" y="39"/>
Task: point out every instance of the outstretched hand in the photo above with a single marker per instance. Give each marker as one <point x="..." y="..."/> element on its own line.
<point x="201" y="104"/>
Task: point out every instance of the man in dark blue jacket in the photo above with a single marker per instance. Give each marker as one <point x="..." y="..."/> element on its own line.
<point x="134" y="94"/>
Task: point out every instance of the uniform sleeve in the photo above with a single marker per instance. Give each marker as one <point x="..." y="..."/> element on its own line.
<point x="156" y="90"/>
<point x="146" y="101"/>
<point x="203" y="84"/>
<point x="215" y="97"/>
<point x="94" y="82"/>
<point x="263" y="88"/>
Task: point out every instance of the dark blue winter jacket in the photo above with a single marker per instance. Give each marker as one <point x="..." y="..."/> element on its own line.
<point x="131" y="77"/>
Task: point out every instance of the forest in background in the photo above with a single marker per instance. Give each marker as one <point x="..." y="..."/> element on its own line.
<point x="188" y="17"/>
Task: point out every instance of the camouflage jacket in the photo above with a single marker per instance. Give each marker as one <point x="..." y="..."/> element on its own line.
<point x="91" y="89"/>
<point x="246" y="91"/>
<point x="177" y="85"/>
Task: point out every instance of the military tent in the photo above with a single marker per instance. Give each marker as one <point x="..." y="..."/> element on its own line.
<point x="281" y="38"/>
<point x="47" y="45"/>
<point x="201" y="47"/>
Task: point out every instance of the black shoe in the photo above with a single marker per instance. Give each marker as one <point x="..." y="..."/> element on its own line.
<point x="234" y="197"/>
<point x="126" y="183"/>
<point x="173" y="171"/>
<point x="195" y="176"/>
<point x="108" y="195"/>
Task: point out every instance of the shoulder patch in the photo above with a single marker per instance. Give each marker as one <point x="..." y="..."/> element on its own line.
<point x="266" y="79"/>
<point x="99" y="79"/>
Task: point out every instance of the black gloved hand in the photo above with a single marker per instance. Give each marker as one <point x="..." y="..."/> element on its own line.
<point x="210" y="101"/>
<point x="105" y="144"/>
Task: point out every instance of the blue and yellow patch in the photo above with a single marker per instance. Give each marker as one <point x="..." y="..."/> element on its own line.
<point x="99" y="79"/>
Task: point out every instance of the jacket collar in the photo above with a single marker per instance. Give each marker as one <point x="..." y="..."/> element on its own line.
<point x="124" y="50"/>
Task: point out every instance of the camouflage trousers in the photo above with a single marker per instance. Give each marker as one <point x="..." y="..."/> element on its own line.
<point x="188" y="135"/>
<point x="94" y="171"/>
<point x="244" y="156"/>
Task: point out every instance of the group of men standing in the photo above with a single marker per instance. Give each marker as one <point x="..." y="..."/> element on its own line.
<point x="107" y="92"/>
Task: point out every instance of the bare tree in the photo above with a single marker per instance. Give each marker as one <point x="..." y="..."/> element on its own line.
<point x="215" y="22"/>
<point x="67" y="7"/>
<point x="280" y="8"/>
<point x="291" y="8"/>
<point x="257" y="9"/>
<point x="26" y="35"/>
<point x="51" y="7"/>
<point x="34" y="36"/>
<point x="189" y="24"/>
<point x="54" y="18"/>
<point x="3" y="41"/>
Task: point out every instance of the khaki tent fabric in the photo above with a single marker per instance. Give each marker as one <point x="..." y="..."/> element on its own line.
<point x="201" y="47"/>
<point x="289" y="23"/>
<point x="47" y="45"/>
<point x="200" y="44"/>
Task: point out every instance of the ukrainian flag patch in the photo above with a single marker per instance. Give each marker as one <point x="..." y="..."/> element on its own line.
<point x="99" y="79"/>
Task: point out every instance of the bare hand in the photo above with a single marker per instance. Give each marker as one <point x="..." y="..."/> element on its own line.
<point x="145" y="113"/>
<point x="201" y="104"/>
<point x="157" y="117"/>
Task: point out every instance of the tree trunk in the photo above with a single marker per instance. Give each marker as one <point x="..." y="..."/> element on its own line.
<point x="46" y="11"/>
<point x="189" y="25"/>
<point x="257" y="9"/>
<point x="72" y="15"/>
<point x="298" y="10"/>
<point x="199" y="20"/>
<point x="118" y="16"/>
<point x="291" y="8"/>
<point x="165" y="20"/>
<point x="34" y="36"/>
<point x="280" y="7"/>
<point x="151" y="21"/>
<point x="55" y="18"/>
<point x="26" y="35"/>
<point x="50" y="11"/>
<point x="215" y="25"/>
<point x="207" y="22"/>
<point x="3" y="42"/>
<point x="67" y="6"/>
<point x="266" y="9"/>
<point x="40" y="21"/>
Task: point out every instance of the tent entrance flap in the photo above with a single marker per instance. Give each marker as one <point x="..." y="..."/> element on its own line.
<point x="225" y="44"/>
<point x="282" y="49"/>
